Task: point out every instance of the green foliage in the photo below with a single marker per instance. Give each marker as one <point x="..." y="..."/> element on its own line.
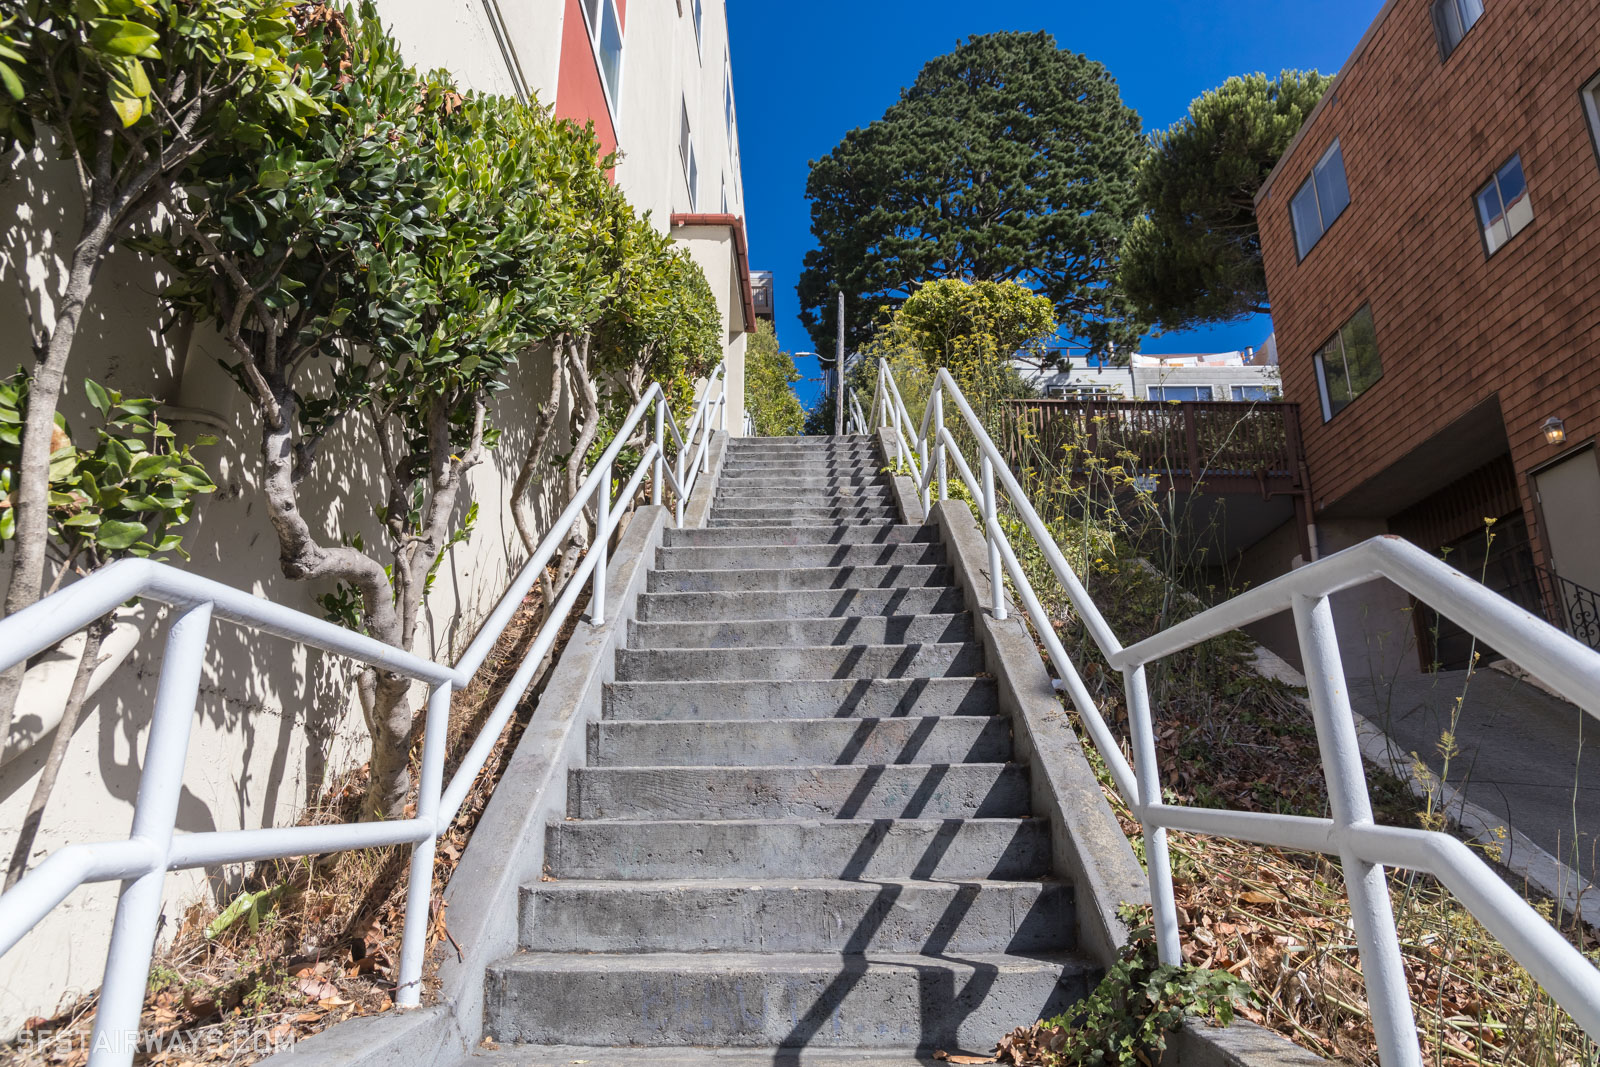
<point x="153" y="67"/>
<point x="250" y="906"/>
<point x="661" y="324"/>
<point x="1127" y="1018"/>
<point x="975" y="328"/>
<point x="120" y="498"/>
<point x="1195" y="256"/>
<point x="1007" y="159"/>
<point x="769" y="377"/>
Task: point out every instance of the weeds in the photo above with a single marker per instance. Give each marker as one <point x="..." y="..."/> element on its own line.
<point x="1228" y="738"/>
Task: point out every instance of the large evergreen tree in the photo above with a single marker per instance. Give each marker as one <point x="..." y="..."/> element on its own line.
<point x="1195" y="256"/>
<point x="1007" y="159"/>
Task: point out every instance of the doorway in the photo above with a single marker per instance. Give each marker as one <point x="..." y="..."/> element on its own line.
<point x="1568" y="494"/>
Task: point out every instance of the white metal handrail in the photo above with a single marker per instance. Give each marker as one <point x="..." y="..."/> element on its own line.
<point x="152" y="846"/>
<point x="1364" y="848"/>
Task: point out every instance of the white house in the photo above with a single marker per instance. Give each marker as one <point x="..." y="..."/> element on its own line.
<point x="655" y="76"/>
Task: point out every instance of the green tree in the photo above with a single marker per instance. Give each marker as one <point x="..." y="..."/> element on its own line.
<point x="122" y="498"/>
<point x="378" y="272"/>
<point x="1007" y="159"/>
<point x="131" y="92"/>
<point x="975" y="329"/>
<point x="769" y="377"/>
<point x="1195" y="255"/>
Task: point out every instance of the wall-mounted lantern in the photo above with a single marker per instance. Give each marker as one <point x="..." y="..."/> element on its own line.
<point x="1555" y="431"/>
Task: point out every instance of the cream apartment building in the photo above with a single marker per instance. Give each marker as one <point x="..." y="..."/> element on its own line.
<point x="656" y="78"/>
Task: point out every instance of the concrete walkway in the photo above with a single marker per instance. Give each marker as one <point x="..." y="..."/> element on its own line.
<point x="1526" y="756"/>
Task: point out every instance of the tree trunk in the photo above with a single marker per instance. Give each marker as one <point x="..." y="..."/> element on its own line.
<point x="577" y="358"/>
<point x="530" y="461"/>
<point x="390" y="716"/>
<point x="96" y="634"/>
<point x="30" y="499"/>
<point x="386" y="703"/>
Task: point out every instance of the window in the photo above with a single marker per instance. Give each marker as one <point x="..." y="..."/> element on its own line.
<point x="1451" y="21"/>
<point x="1254" y="392"/>
<point x="605" y="36"/>
<point x="1179" y="392"/>
<point x="699" y="21"/>
<point x="1504" y="209"/>
<point x="724" y="194"/>
<point x="727" y="101"/>
<point x="1322" y="198"/>
<point x="1591" y="108"/>
<point x="1348" y="364"/>
<point x="691" y="169"/>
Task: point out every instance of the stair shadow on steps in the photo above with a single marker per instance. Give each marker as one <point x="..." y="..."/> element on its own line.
<point x="908" y="751"/>
<point x="938" y="999"/>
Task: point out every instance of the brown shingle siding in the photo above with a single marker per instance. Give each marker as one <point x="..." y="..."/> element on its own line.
<point x="1455" y="326"/>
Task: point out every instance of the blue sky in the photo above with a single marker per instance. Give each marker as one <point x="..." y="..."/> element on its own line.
<point x="805" y="73"/>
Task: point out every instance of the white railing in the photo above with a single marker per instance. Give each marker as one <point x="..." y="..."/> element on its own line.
<point x="1364" y="848"/>
<point x="152" y="848"/>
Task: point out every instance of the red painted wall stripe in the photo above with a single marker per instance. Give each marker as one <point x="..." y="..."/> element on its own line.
<point x="579" y="94"/>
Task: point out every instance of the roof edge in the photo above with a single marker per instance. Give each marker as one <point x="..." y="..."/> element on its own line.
<point x="1327" y="97"/>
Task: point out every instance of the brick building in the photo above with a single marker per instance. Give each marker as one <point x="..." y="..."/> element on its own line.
<point x="1432" y="246"/>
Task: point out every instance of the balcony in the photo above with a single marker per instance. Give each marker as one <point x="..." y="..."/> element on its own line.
<point x="1210" y="446"/>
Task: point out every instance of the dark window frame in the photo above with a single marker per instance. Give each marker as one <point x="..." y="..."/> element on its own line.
<point x="1589" y="101"/>
<point x="1441" y="35"/>
<point x="1319" y="365"/>
<point x="1494" y="179"/>
<point x="1311" y="181"/>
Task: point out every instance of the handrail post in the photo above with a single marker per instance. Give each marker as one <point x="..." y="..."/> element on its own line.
<point x="1371" y="913"/>
<point x="116" y="1023"/>
<point x="997" y="578"/>
<point x="419" y="890"/>
<point x="659" y="470"/>
<point x="922" y="453"/>
<point x="678" y="466"/>
<point x="1147" y="772"/>
<point x="938" y="444"/>
<point x="602" y="509"/>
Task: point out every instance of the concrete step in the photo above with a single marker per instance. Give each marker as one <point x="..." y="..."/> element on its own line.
<point x="775" y="999"/>
<point x="864" y="464"/>
<point x="794" y="578"/>
<point x="957" y="659"/>
<point x="808" y="488"/>
<point x="777" y="498"/>
<point x="903" y="791"/>
<point x="641" y="850"/>
<point x="832" y="511"/>
<point x="750" y="445"/>
<point x="800" y="604"/>
<point x="723" y="518"/>
<point x="781" y="633"/>
<point x="791" y="915"/>
<point x="567" y="1055"/>
<point x="881" y="533"/>
<point x="743" y="556"/>
<point x="799" y="742"/>
<point x="843" y="455"/>
<point x="841" y="698"/>
<point x="798" y="477"/>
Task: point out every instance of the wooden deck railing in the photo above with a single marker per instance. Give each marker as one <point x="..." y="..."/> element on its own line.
<point x="1229" y="446"/>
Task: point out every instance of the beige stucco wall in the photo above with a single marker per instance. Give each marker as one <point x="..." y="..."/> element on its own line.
<point x="664" y="70"/>
<point x="273" y="719"/>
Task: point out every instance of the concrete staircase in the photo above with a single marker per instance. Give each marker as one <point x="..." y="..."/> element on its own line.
<point x="800" y="825"/>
